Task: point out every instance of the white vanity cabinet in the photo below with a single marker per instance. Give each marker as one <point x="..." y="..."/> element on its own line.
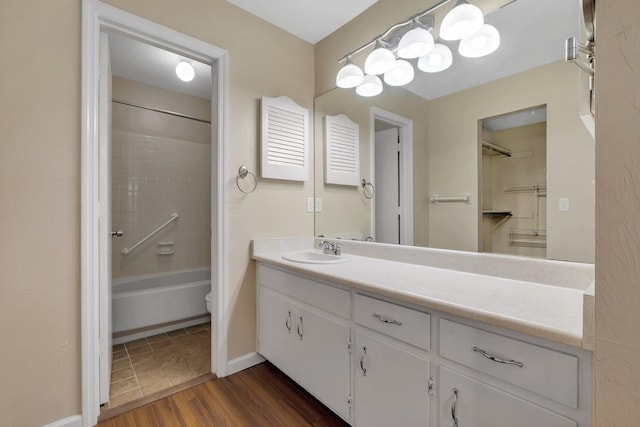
<point x="308" y="343"/>
<point x="376" y="361"/>
<point x="391" y="384"/>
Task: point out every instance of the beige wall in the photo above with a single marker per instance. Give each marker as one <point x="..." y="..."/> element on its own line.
<point x="454" y="158"/>
<point x="344" y="208"/>
<point x="40" y="183"/>
<point x="160" y="164"/>
<point x="617" y="359"/>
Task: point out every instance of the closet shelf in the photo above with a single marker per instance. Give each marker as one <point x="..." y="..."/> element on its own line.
<point x="496" y="214"/>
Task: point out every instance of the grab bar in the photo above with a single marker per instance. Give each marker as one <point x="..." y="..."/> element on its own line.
<point x="455" y="199"/>
<point x="126" y="251"/>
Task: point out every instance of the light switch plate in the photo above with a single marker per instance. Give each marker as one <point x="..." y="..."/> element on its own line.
<point x="309" y="204"/>
<point x="563" y="204"/>
<point x="318" y="204"/>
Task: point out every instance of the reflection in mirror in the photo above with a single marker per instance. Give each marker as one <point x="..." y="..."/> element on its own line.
<point x="447" y="157"/>
<point x="514" y="183"/>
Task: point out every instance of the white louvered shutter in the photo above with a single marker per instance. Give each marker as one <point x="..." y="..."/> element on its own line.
<point x="285" y="140"/>
<point x="342" y="151"/>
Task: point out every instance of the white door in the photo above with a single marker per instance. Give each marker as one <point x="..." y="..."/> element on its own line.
<point x="391" y="385"/>
<point x="387" y="196"/>
<point x="322" y="359"/>
<point x="476" y="404"/>
<point x="104" y="185"/>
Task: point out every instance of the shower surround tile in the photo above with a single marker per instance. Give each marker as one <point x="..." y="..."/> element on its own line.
<point x="148" y="365"/>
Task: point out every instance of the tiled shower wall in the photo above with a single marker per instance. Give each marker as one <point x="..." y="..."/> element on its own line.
<point x="152" y="177"/>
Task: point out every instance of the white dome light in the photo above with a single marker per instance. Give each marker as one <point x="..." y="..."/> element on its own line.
<point x="401" y="74"/>
<point x="349" y="76"/>
<point x="415" y="43"/>
<point x="379" y="61"/>
<point x="482" y="43"/>
<point x="439" y="59"/>
<point x="371" y="86"/>
<point x="461" y="21"/>
<point x="185" y="71"/>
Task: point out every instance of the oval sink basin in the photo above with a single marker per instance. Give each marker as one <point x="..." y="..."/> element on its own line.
<point x="310" y="256"/>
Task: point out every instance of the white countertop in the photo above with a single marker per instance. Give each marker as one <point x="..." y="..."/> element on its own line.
<point x="551" y="312"/>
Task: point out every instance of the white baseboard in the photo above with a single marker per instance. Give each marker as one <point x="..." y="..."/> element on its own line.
<point x="243" y="362"/>
<point x="72" y="421"/>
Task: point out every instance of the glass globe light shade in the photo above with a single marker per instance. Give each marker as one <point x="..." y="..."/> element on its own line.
<point x="482" y="43"/>
<point x="461" y="21"/>
<point x="371" y="86"/>
<point x="185" y="71"/>
<point x="401" y="74"/>
<point x="415" y="43"/>
<point x="349" y="76"/>
<point x="439" y="59"/>
<point x="379" y="61"/>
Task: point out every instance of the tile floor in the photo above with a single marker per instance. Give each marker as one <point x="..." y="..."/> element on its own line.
<point x="147" y="365"/>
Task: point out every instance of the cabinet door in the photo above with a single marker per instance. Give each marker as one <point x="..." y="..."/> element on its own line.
<point x="276" y="329"/>
<point x="477" y="404"/>
<point x="391" y="385"/>
<point x="322" y="358"/>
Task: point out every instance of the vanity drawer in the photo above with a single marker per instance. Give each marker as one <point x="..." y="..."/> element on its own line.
<point x="541" y="370"/>
<point x="323" y="296"/>
<point x="402" y="323"/>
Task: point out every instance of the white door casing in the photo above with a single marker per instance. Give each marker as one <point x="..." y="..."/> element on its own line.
<point x="98" y="17"/>
<point x="405" y="128"/>
<point x="104" y="196"/>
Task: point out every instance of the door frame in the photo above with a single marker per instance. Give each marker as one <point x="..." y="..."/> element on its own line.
<point x="405" y="131"/>
<point x="97" y="17"/>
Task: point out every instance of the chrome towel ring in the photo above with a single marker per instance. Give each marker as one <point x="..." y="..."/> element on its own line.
<point x="242" y="174"/>
<point x="368" y="194"/>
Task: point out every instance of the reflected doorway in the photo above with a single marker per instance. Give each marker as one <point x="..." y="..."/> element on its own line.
<point x="514" y="183"/>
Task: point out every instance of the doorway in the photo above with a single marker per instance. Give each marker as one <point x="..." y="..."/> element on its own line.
<point x="392" y="172"/>
<point x="98" y="19"/>
<point x="514" y="183"/>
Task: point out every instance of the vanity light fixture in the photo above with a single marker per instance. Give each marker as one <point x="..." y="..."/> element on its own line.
<point x="413" y="39"/>
<point x="461" y="21"/>
<point x="401" y="74"/>
<point x="185" y="71"/>
<point x="371" y="86"/>
<point x="349" y="76"/>
<point x="481" y="43"/>
<point x="439" y="59"/>
<point x="379" y="61"/>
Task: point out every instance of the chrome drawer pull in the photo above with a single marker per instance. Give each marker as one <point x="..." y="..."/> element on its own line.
<point x="385" y="320"/>
<point x="497" y="359"/>
<point x="454" y="403"/>
<point x="363" y="367"/>
<point x="287" y="323"/>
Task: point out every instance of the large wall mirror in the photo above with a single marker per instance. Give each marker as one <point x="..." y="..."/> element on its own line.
<point x="489" y="155"/>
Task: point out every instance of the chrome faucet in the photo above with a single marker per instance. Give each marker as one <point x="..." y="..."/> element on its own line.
<point x="330" y="247"/>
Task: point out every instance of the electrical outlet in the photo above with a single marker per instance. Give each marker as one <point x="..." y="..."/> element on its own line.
<point x="310" y="204"/>
<point x="318" y="206"/>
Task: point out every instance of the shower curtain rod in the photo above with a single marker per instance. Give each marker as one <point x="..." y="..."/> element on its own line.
<point x="157" y="110"/>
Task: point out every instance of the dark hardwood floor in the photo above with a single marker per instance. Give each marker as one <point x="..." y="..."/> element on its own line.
<point x="259" y="396"/>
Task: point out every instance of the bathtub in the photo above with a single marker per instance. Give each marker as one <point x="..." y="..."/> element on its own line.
<point x="149" y="304"/>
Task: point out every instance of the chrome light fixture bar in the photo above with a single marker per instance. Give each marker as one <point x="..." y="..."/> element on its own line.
<point x="464" y="22"/>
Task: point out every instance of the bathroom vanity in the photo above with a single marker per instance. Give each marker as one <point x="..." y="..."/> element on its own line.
<point x="399" y="336"/>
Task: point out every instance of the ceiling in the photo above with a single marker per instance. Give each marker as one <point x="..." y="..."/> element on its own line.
<point x="310" y="20"/>
<point x="532" y="32"/>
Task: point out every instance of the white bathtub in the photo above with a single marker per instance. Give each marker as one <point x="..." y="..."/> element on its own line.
<point x="159" y="299"/>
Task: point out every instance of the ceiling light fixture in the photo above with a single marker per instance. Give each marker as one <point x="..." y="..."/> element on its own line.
<point x="413" y="39"/>
<point x="185" y="71"/>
